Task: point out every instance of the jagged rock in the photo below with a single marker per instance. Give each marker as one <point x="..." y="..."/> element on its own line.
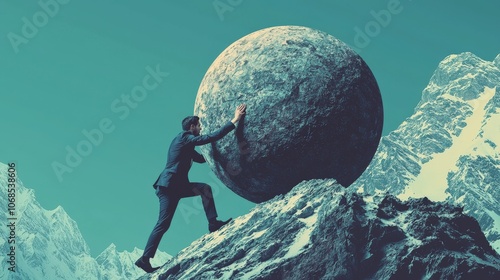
<point x="314" y="107"/>
<point x="348" y="236"/>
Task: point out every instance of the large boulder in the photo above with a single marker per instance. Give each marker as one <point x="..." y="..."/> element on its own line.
<point x="314" y="111"/>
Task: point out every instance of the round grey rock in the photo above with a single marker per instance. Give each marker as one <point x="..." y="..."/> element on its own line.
<point x="314" y="110"/>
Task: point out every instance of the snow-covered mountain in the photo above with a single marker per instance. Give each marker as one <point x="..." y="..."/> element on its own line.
<point x="449" y="149"/>
<point x="49" y="244"/>
<point x="321" y="230"/>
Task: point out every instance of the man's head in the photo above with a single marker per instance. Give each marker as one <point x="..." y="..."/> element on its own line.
<point x="192" y="123"/>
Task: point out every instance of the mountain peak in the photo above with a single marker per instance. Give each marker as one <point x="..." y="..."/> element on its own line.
<point x="464" y="58"/>
<point x="59" y="210"/>
<point x="137" y="251"/>
<point x="463" y="76"/>
<point x="111" y="249"/>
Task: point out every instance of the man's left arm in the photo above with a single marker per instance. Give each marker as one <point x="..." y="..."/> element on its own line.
<point x="197" y="157"/>
<point x="212" y="137"/>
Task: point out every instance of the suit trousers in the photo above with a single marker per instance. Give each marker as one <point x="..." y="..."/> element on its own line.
<point x="169" y="199"/>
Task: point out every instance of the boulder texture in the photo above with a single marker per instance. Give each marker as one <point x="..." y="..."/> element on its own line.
<point x="314" y="111"/>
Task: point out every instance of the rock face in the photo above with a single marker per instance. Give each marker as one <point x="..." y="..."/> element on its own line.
<point x="321" y="230"/>
<point x="449" y="149"/>
<point x="314" y="111"/>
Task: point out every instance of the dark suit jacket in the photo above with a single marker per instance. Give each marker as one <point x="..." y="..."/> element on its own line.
<point x="181" y="155"/>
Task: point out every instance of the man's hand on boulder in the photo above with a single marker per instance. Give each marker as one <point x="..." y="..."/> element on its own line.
<point x="239" y="112"/>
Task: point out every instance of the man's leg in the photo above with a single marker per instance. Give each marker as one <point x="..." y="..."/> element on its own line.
<point x="168" y="204"/>
<point x="207" y="198"/>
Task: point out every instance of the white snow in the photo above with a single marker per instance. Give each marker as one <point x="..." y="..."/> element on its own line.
<point x="496" y="245"/>
<point x="451" y="97"/>
<point x="460" y="200"/>
<point x="495" y="217"/>
<point x="303" y="237"/>
<point x="468" y="76"/>
<point x="491" y="133"/>
<point x="368" y="199"/>
<point x="432" y="181"/>
<point x="360" y="189"/>
<point x="448" y="58"/>
<point x="496" y="226"/>
<point x="431" y="87"/>
<point x="257" y="234"/>
<point x="292" y="202"/>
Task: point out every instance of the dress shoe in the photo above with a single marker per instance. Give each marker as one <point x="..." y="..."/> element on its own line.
<point x="216" y="224"/>
<point x="145" y="265"/>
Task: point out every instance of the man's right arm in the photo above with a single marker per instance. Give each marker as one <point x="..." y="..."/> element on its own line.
<point x="205" y="139"/>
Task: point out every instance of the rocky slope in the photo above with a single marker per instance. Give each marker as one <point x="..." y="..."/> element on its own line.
<point x="321" y="230"/>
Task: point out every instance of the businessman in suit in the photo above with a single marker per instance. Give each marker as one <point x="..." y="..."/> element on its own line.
<point x="173" y="183"/>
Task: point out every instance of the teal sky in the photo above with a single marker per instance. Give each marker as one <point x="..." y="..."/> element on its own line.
<point x="82" y="58"/>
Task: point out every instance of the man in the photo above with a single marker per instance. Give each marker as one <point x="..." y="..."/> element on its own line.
<point x="173" y="183"/>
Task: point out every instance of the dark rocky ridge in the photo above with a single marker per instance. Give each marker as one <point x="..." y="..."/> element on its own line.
<point x="321" y="230"/>
<point x="314" y="107"/>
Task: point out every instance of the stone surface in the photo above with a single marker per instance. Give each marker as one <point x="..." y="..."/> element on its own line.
<point x="314" y="111"/>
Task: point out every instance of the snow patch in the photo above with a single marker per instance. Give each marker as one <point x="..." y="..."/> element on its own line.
<point x="451" y="97"/>
<point x="303" y="237"/>
<point x="449" y="58"/>
<point x="460" y="200"/>
<point x="496" y="225"/>
<point x="432" y="180"/>
<point x="468" y="76"/>
<point x="301" y="240"/>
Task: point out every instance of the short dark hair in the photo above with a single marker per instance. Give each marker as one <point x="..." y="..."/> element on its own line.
<point x="188" y="121"/>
